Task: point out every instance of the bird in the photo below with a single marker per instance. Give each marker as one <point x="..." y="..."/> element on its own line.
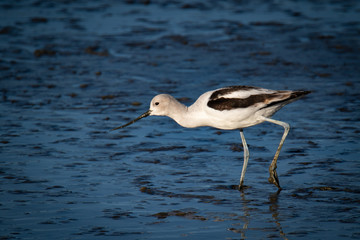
<point x="229" y="108"/>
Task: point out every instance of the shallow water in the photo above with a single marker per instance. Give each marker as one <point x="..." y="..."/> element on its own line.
<point x="70" y="72"/>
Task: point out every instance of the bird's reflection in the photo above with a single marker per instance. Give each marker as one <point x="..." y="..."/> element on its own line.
<point x="274" y="209"/>
<point x="247" y="211"/>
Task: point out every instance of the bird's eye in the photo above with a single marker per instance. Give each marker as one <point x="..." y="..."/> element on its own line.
<point x="157" y="103"/>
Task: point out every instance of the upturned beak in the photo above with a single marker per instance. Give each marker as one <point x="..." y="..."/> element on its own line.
<point x="147" y="113"/>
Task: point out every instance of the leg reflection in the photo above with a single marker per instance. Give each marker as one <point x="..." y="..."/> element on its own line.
<point x="274" y="209"/>
<point x="249" y="209"/>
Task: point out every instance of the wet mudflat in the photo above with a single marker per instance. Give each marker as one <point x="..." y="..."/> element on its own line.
<point x="71" y="71"/>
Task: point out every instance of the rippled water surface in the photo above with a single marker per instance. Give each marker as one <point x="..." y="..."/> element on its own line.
<point x="71" y="71"/>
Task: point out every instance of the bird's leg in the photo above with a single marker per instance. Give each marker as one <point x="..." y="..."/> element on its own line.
<point x="272" y="169"/>
<point x="246" y="158"/>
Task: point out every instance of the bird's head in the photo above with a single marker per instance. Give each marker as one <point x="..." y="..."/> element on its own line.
<point x="159" y="106"/>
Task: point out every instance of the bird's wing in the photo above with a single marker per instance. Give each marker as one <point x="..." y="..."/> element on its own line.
<point x="244" y="96"/>
<point x="238" y="92"/>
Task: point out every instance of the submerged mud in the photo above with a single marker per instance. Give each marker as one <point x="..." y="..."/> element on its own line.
<point x="72" y="71"/>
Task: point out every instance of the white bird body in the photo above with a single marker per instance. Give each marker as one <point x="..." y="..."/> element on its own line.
<point x="234" y="107"/>
<point x="201" y="114"/>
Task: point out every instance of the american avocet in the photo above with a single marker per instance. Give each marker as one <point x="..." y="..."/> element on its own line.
<point x="228" y="108"/>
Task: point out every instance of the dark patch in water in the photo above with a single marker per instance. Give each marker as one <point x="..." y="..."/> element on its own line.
<point x="117" y="214"/>
<point x="178" y="213"/>
<point x="153" y="191"/>
<point x="168" y="148"/>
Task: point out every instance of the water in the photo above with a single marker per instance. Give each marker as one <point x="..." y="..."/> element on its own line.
<point x="70" y="72"/>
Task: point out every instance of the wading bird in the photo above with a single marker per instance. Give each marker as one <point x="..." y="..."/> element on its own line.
<point x="229" y="108"/>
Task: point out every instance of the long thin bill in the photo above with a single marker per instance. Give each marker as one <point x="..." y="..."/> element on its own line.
<point x="132" y="121"/>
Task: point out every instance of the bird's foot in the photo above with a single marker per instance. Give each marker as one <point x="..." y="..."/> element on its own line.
<point x="274" y="178"/>
<point x="241" y="187"/>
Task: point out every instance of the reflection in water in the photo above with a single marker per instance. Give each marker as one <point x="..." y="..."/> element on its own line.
<point x="246" y="215"/>
<point x="273" y="207"/>
<point x="273" y="199"/>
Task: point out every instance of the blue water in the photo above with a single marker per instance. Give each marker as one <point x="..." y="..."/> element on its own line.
<point x="70" y="72"/>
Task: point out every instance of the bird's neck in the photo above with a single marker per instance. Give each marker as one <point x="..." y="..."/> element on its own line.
<point x="185" y="116"/>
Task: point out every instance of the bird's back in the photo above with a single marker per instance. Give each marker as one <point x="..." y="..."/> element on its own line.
<point x="237" y="107"/>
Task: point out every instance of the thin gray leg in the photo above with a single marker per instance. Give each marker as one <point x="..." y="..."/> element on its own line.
<point x="246" y="158"/>
<point x="272" y="169"/>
